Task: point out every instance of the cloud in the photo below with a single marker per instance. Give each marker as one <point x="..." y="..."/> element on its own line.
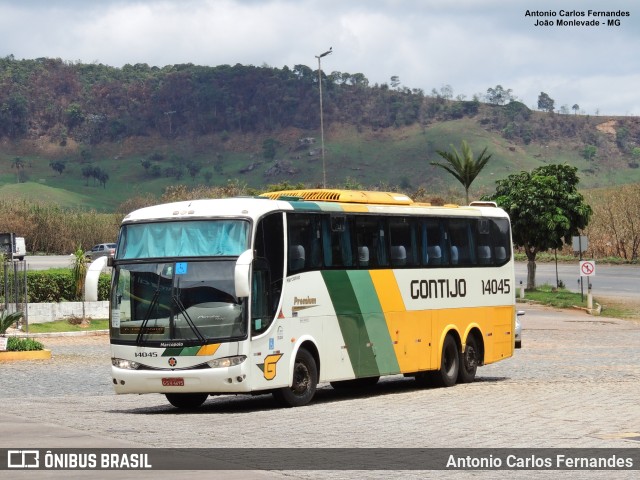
<point x="469" y="44"/>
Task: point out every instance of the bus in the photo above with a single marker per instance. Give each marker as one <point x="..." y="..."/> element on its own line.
<point x="278" y="293"/>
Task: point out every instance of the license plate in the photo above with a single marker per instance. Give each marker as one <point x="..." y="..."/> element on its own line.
<point x="173" y="382"/>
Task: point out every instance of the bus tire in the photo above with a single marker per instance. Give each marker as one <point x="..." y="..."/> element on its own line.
<point x="186" y="400"/>
<point x="305" y="381"/>
<point x="469" y="361"/>
<point x="449" y="364"/>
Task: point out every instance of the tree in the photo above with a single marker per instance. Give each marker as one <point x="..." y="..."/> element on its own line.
<point x="194" y="169"/>
<point x="498" y="95"/>
<point x="545" y="102"/>
<point x="18" y="164"/>
<point x="575" y="108"/>
<point x="79" y="269"/>
<point x="589" y="152"/>
<point x="465" y="169"/>
<point x="57" y="166"/>
<point x="269" y="147"/>
<point x="546" y="210"/>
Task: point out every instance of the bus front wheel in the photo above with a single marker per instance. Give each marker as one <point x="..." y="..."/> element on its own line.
<point x="305" y="381"/>
<point x="186" y="400"/>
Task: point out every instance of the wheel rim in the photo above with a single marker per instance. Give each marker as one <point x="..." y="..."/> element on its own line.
<point x="301" y="379"/>
<point x="470" y="360"/>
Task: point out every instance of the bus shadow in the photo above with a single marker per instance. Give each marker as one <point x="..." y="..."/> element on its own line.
<point x="241" y="404"/>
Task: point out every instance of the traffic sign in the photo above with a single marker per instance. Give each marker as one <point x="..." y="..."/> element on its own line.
<point x="587" y="268"/>
<point x="580" y="243"/>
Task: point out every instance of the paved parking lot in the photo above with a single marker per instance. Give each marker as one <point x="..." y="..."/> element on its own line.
<point x="575" y="383"/>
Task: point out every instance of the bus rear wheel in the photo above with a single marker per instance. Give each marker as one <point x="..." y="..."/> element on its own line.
<point x="305" y="381"/>
<point x="449" y="364"/>
<point x="469" y="361"/>
<point x="186" y="400"/>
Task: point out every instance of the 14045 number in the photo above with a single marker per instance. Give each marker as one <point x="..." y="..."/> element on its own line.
<point x="494" y="287"/>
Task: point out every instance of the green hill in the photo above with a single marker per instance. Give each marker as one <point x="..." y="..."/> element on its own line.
<point x="94" y="136"/>
<point x="394" y="157"/>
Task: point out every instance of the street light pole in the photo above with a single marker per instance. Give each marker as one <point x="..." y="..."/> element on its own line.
<point x="324" y="171"/>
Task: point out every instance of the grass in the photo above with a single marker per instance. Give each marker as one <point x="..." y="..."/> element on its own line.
<point x="64" y="326"/>
<point x="555" y="297"/>
<point x="562" y="298"/>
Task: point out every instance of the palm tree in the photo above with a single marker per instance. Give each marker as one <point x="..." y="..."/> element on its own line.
<point x="7" y="319"/>
<point x="18" y="164"/>
<point x="79" y="271"/>
<point x="465" y="169"/>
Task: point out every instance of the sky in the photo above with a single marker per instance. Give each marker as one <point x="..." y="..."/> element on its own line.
<point x="469" y="45"/>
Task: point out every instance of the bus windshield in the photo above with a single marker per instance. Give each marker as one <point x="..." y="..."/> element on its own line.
<point x="191" y="302"/>
<point x="192" y="238"/>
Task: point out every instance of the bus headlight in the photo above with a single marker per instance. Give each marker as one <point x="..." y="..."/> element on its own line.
<point x="125" y="364"/>
<point x="227" y="361"/>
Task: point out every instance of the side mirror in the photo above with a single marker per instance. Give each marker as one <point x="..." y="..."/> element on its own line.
<point x="91" y="280"/>
<point x="241" y="274"/>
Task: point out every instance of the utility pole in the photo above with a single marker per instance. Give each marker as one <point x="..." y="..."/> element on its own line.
<point x="324" y="170"/>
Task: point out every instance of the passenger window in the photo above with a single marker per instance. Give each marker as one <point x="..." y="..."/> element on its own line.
<point x="371" y="241"/>
<point x="434" y="246"/>
<point x="336" y="241"/>
<point x="462" y="242"/>
<point x="304" y="239"/>
<point x="403" y="240"/>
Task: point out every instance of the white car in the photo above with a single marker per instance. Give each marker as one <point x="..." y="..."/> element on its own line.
<point x="519" y="313"/>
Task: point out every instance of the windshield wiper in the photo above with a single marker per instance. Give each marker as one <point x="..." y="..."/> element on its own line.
<point x="182" y="310"/>
<point x="152" y="304"/>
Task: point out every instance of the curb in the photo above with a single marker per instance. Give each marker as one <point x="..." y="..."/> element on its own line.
<point x="87" y="333"/>
<point x="29" y="355"/>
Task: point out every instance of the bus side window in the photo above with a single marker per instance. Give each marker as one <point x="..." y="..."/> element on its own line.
<point x="370" y="240"/>
<point x="484" y="250"/>
<point x="462" y="241"/>
<point x="434" y="242"/>
<point x="304" y="239"/>
<point x="403" y="240"/>
<point x="337" y="242"/>
<point x="501" y="240"/>
<point x="296" y="258"/>
<point x="269" y="248"/>
<point x="260" y="313"/>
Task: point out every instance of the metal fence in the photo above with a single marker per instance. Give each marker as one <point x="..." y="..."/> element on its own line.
<point x="13" y="288"/>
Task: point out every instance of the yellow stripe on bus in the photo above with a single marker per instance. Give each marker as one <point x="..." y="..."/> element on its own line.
<point x="209" y="349"/>
<point x="410" y="331"/>
<point x="354" y="207"/>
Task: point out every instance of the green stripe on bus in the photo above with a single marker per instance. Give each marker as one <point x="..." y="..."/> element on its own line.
<point x="374" y="321"/>
<point x="191" y="351"/>
<point x="308" y="206"/>
<point x="172" y="352"/>
<point x="330" y="207"/>
<point x="351" y="324"/>
<point x="316" y="206"/>
<point x="184" y="351"/>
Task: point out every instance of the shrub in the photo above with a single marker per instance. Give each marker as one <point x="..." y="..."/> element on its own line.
<point x="7" y="319"/>
<point x="58" y="286"/>
<point x="21" y="344"/>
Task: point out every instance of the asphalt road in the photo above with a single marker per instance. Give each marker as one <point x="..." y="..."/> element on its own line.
<point x="608" y="281"/>
<point x="45" y="262"/>
<point x="575" y="383"/>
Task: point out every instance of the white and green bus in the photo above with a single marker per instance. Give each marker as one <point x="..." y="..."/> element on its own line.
<point x="279" y="293"/>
